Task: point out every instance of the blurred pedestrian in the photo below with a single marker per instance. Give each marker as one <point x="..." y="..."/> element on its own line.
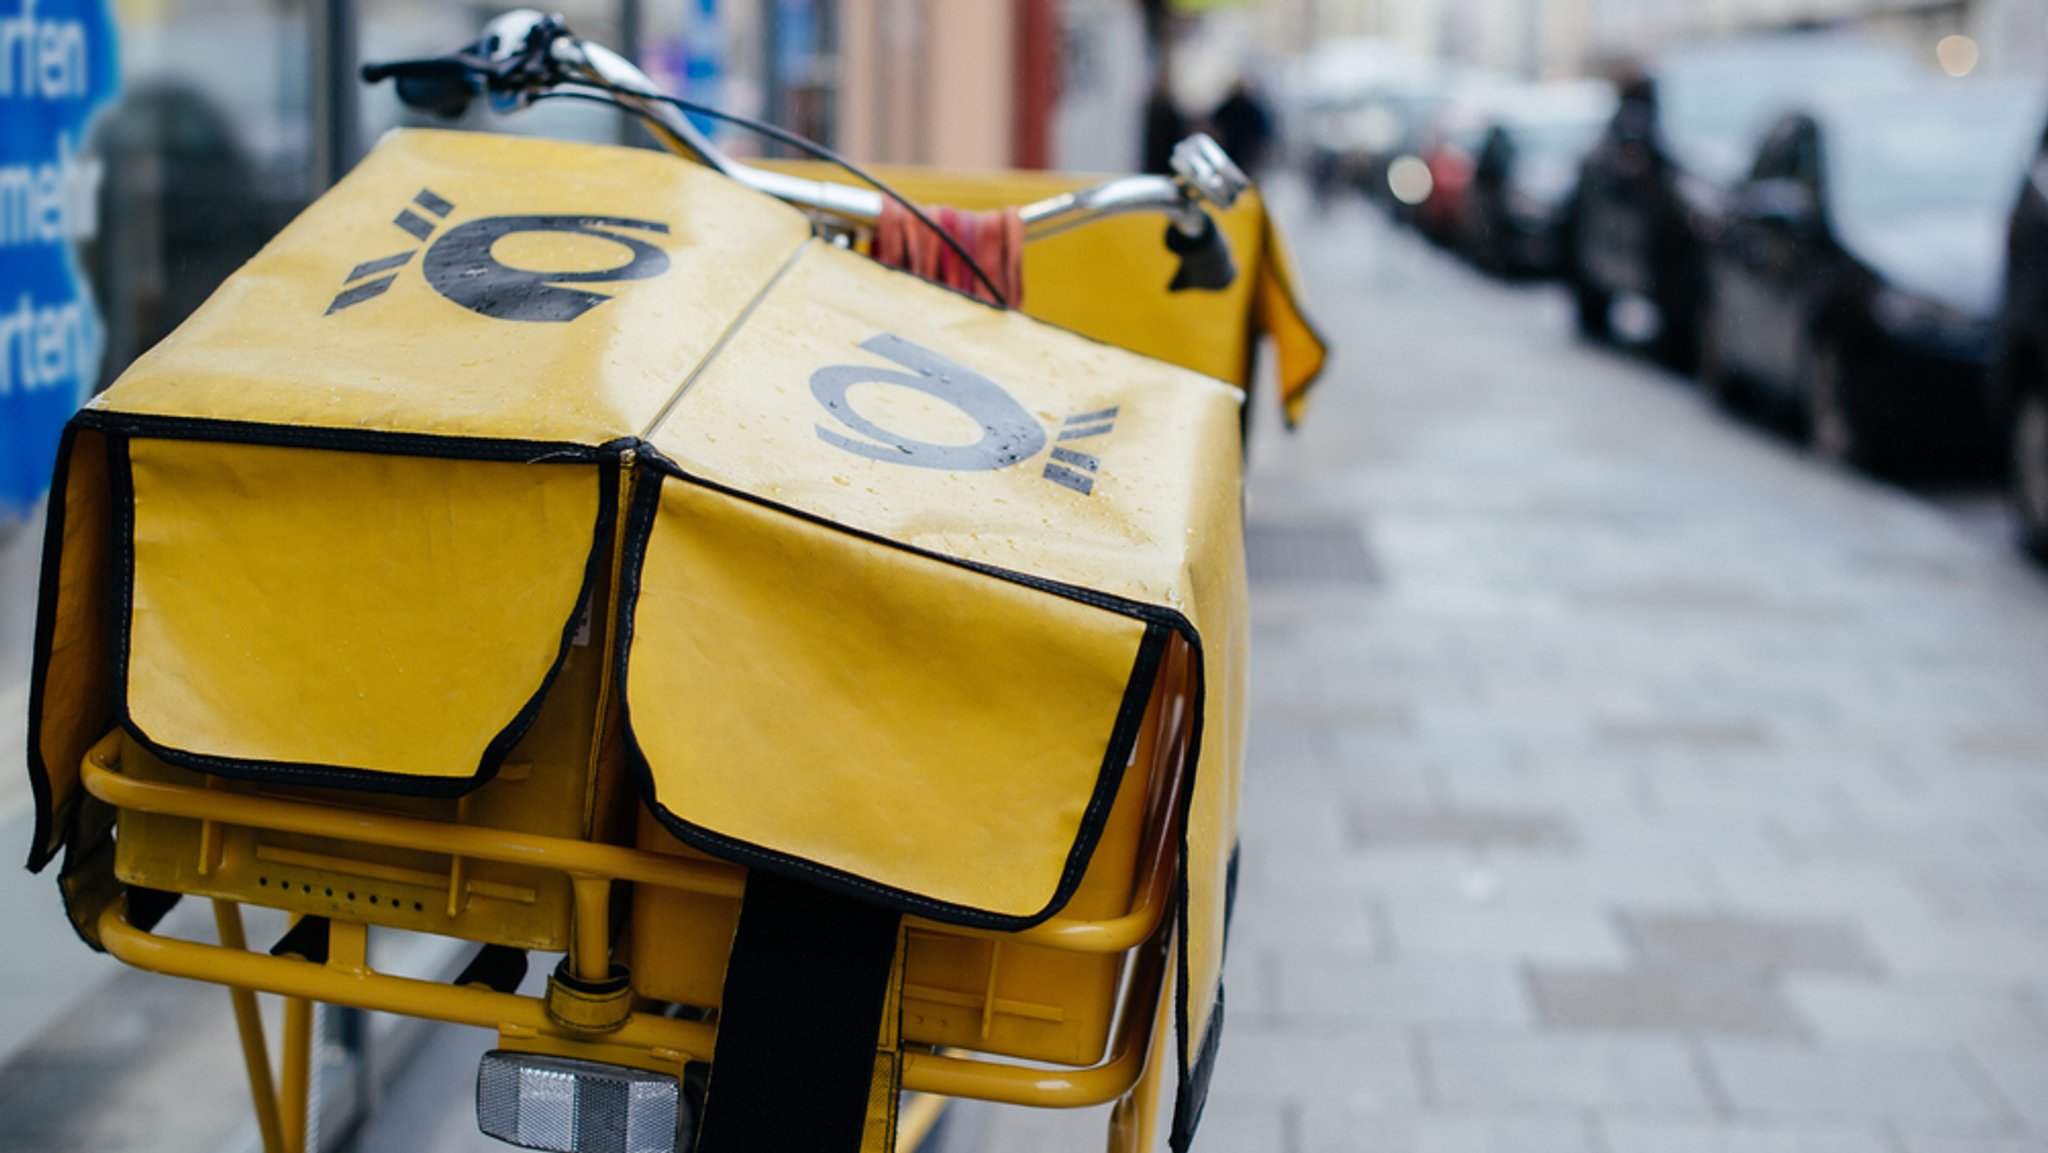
<point x="1243" y="126"/>
<point x="1164" y="127"/>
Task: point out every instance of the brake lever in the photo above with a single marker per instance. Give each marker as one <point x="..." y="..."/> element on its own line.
<point x="1205" y="260"/>
<point x="507" y="73"/>
<point x="442" y="85"/>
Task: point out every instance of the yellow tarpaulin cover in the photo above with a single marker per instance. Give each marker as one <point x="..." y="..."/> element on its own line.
<point x="898" y="573"/>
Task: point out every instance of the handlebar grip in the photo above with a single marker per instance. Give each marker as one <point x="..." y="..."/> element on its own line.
<point x="1205" y="260"/>
<point x="442" y="86"/>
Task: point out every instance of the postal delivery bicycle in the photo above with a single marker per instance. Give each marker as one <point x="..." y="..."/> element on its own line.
<point x="596" y="555"/>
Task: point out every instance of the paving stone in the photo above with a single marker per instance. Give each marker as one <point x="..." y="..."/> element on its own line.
<point x="1468" y="1070"/>
<point x="1988" y="952"/>
<point x="1688" y="1135"/>
<point x="1248" y="976"/>
<point x="1303" y="819"/>
<point x="150" y="1063"/>
<point x="1860" y="1009"/>
<point x="1273" y="747"/>
<point x="2021" y="1076"/>
<point x="1749" y="944"/>
<point x="1316" y="988"/>
<point x="1865" y="893"/>
<point x="1363" y="1071"/>
<point x="1327" y="1130"/>
<point x="1915" y="1090"/>
<point x="1374" y="825"/>
<point x="1233" y="1122"/>
<point x="1498" y="930"/>
<point x="1997" y="903"/>
<point x="998" y="1129"/>
<point x="1714" y="734"/>
<point x="1920" y="1144"/>
<point x="1658" y="998"/>
<point x="1290" y="919"/>
<point x="2026" y="744"/>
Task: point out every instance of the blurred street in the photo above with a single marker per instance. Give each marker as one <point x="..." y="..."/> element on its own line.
<point x="1621" y="779"/>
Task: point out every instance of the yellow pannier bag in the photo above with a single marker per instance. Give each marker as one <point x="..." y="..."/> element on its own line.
<point x="518" y="477"/>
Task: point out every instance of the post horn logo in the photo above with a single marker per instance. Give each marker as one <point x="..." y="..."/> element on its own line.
<point x="1009" y="434"/>
<point x="461" y="266"/>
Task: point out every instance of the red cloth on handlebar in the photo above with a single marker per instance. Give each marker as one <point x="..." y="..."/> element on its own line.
<point x="994" y="238"/>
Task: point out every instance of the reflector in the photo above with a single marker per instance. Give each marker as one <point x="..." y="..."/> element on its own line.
<point x="565" y="1106"/>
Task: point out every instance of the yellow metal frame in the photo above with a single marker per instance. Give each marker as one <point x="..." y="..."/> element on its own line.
<point x="1132" y="1075"/>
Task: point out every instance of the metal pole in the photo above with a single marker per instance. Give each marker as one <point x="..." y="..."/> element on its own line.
<point x="295" y="1103"/>
<point x="227" y="919"/>
<point x="335" y="105"/>
<point x="629" y="47"/>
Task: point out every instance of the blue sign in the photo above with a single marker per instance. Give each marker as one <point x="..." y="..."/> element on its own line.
<point x="57" y="68"/>
<point x="704" y="63"/>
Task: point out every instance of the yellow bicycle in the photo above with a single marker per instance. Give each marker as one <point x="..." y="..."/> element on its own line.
<point x="589" y="551"/>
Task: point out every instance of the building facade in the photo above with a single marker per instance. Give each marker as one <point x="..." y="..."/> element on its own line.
<point x="1556" y="38"/>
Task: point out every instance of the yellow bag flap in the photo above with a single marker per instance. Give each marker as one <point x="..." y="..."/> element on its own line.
<point x="905" y="580"/>
<point x="1299" y="350"/>
<point x="71" y="692"/>
<point x="477" y="286"/>
<point x="348" y="617"/>
<point x="812" y="699"/>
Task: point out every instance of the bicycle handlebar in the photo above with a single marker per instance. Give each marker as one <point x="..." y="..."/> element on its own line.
<point x="524" y="54"/>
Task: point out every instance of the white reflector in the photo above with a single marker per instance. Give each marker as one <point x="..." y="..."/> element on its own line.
<point x="565" y="1106"/>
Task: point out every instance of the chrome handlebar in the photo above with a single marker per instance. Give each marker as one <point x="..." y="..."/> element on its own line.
<point x="1203" y="177"/>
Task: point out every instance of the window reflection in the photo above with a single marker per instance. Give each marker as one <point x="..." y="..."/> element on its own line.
<point x="207" y="153"/>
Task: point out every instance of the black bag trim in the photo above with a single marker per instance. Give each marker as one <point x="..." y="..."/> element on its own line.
<point x="154" y="427"/>
<point x="1191" y="1096"/>
<point x="807" y="964"/>
<point x="337" y="776"/>
<point x="1159" y="622"/>
<point x="45" y="847"/>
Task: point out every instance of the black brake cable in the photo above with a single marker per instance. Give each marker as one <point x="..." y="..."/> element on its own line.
<point x="783" y="136"/>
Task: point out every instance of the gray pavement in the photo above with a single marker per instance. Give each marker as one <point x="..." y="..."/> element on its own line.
<point x="1648" y="789"/>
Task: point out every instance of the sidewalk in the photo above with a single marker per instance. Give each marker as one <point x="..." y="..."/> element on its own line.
<point x="48" y="972"/>
<point x="20" y="562"/>
<point x="1621" y="781"/>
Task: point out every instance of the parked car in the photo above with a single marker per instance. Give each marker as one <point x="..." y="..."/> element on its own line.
<point x="1519" y="202"/>
<point x="1653" y="188"/>
<point x="1450" y="150"/>
<point x="2020" y="379"/>
<point x="1860" y="275"/>
<point x="1449" y="147"/>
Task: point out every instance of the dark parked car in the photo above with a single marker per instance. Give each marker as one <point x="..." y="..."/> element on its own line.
<point x="1653" y="187"/>
<point x="1859" y="275"/>
<point x="1519" y="202"/>
<point x="2021" y="378"/>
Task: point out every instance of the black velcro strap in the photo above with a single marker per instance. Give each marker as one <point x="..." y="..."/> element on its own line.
<point x="803" y="1001"/>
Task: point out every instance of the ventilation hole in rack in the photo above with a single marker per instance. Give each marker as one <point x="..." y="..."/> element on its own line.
<point x="351" y="896"/>
<point x="330" y="892"/>
<point x="263" y="882"/>
<point x="418" y="908"/>
<point x="307" y="889"/>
